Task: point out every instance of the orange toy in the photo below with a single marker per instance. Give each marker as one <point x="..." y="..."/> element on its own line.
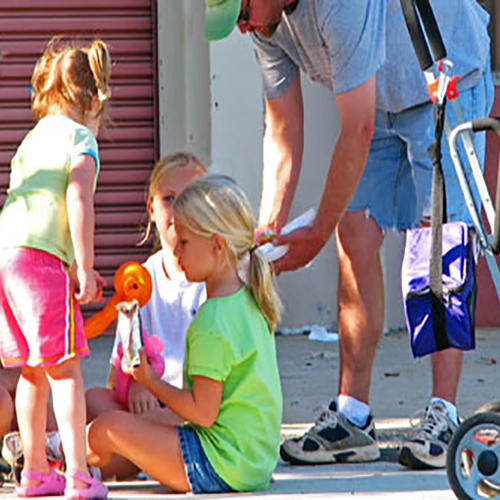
<point x="132" y="281"/>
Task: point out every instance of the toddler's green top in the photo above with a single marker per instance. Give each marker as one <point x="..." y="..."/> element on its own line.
<point x="35" y="213"/>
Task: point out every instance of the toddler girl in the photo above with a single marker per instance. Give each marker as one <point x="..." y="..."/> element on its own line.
<point x="47" y="226"/>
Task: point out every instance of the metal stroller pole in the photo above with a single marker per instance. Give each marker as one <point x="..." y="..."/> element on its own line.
<point x="473" y="457"/>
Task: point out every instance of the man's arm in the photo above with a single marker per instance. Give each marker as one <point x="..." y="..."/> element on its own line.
<point x="357" y="114"/>
<point x="283" y="147"/>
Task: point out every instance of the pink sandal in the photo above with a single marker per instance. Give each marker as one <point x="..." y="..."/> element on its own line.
<point x="51" y="483"/>
<point x="95" y="489"/>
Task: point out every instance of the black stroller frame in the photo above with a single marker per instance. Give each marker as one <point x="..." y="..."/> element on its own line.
<point x="473" y="461"/>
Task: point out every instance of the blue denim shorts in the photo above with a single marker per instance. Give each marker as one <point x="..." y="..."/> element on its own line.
<point x="395" y="188"/>
<point x="200" y="474"/>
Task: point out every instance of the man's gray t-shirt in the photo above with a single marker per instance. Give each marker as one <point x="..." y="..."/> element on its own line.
<point x="341" y="44"/>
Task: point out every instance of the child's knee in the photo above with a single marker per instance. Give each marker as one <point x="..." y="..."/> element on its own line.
<point x="99" y="436"/>
<point x="64" y="370"/>
<point x="96" y="396"/>
<point x="98" y="452"/>
<point x="33" y="375"/>
<point x="100" y="428"/>
<point x="96" y="434"/>
<point x="100" y="400"/>
<point x="94" y="429"/>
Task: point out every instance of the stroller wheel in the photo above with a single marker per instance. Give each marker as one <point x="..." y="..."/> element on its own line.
<point x="473" y="461"/>
<point x="493" y="406"/>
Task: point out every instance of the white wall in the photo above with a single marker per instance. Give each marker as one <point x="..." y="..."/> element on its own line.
<point x="211" y="103"/>
<point x="237" y="126"/>
<point x="183" y="78"/>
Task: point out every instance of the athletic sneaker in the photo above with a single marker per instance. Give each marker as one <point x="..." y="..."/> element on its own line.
<point x="333" y="438"/>
<point x="428" y="442"/>
<point x="12" y="451"/>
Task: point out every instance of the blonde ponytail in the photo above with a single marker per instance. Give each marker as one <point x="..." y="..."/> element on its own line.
<point x="215" y="204"/>
<point x="100" y="65"/>
<point x="261" y="284"/>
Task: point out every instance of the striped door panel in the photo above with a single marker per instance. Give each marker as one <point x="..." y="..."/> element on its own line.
<point x="128" y="148"/>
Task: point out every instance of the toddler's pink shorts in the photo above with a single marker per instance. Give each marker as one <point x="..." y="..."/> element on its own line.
<point x="40" y="321"/>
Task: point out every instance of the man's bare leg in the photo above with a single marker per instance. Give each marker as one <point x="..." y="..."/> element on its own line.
<point x="340" y="438"/>
<point x="446" y="369"/>
<point x="361" y="302"/>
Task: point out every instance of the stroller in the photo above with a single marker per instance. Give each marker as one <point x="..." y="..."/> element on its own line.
<point x="473" y="461"/>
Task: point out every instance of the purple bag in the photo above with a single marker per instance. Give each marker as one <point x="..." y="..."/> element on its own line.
<point x="459" y="290"/>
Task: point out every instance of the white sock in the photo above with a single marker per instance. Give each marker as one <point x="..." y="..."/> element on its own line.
<point x="451" y="409"/>
<point x="356" y="411"/>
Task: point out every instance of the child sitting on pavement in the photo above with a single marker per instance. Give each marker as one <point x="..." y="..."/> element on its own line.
<point x="168" y="313"/>
<point x="231" y="400"/>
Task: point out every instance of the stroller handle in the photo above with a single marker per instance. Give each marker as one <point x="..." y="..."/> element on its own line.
<point x="417" y="35"/>
<point x="492" y="213"/>
<point x="480" y="126"/>
<point x="486" y="124"/>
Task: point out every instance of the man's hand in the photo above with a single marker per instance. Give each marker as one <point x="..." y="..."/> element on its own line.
<point x="304" y="245"/>
<point x="140" y="400"/>
<point x="264" y="235"/>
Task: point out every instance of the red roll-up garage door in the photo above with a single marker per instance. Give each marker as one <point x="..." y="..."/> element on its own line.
<point x="129" y="147"/>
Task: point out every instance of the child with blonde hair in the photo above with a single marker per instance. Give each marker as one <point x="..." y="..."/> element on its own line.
<point x="169" y="312"/>
<point x="231" y="400"/>
<point x="47" y="227"/>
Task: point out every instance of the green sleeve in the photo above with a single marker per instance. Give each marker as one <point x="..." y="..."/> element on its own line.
<point x="209" y="355"/>
<point x="84" y="143"/>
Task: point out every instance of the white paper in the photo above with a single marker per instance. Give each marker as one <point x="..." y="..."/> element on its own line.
<point x="272" y="252"/>
<point x="129" y="329"/>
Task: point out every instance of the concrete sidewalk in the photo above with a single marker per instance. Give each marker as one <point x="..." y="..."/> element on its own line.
<point x="313" y="483"/>
<point x="400" y="386"/>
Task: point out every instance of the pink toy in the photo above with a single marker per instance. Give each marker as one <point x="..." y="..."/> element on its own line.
<point x="154" y="349"/>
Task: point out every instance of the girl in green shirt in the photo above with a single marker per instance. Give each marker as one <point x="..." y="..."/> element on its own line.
<point x="231" y="402"/>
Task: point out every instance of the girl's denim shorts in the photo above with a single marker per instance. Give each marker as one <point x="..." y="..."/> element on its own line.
<point x="200" y="474"/>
